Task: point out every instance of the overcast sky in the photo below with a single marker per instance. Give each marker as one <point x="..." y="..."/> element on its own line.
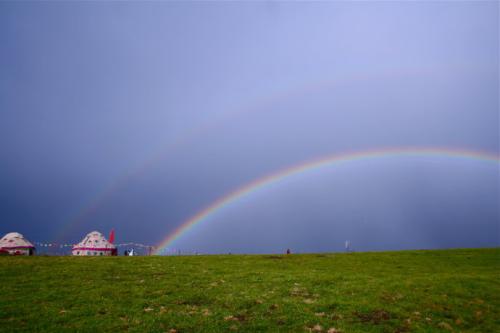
<point x="137" y="115"/>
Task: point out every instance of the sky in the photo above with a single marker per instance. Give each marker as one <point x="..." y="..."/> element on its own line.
<point x="138" y="115"/>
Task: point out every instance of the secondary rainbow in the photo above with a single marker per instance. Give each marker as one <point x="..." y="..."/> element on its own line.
<point x="93" y="204"/>
<point x="183" y="139"/>
<point x="325" y="161"/>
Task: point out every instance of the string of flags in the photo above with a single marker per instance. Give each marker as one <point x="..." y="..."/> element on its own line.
<point x="164" y="251"/>
<point x="42" y="244"/>
<point x="135" y="244"/>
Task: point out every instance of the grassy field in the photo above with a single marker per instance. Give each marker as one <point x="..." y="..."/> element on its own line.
<point x="409" y="291"/>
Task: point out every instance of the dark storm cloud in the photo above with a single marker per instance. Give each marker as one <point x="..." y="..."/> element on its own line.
<point x="93" y="92"/>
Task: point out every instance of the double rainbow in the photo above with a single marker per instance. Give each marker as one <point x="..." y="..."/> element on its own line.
<point x="94" y="203"/>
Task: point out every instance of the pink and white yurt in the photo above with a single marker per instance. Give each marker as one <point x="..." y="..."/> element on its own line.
<point x="94" y="244"/>
<point x="15" y="244"/>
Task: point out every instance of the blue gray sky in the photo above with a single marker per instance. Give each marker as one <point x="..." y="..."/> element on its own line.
<point x="137" y="115"/>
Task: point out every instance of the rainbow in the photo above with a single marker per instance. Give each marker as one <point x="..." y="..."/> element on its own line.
<point x="326" y="161"/>
<point x="93" y="203"/>
<point x="185" y="138"/>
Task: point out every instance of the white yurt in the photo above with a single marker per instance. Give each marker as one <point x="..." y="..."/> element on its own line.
<point x="15" y="244"/>
<point x="94" y="244"/>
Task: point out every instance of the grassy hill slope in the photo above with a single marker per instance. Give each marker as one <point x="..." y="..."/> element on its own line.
<point x="408" y="291"/>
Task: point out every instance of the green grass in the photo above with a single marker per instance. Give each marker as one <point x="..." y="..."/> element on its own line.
<point x="408" y="291"/>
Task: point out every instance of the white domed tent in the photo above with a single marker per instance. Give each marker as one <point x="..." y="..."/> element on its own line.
<point x="94" y="244"/>
<point x="14" y="243"/>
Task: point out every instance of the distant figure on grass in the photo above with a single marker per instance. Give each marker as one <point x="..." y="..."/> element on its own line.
<point x="288" y="251"/>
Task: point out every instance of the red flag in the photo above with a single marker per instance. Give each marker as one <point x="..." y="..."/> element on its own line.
<point x="112" y="236"/>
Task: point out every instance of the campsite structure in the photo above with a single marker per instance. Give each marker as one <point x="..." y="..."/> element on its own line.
<point x="94" y="244"/>
<point x="14" y="243"/>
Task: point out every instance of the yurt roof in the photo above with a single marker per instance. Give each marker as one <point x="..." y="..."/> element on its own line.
<point x="94" y="241"/>
<point x="14" y="240"/>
